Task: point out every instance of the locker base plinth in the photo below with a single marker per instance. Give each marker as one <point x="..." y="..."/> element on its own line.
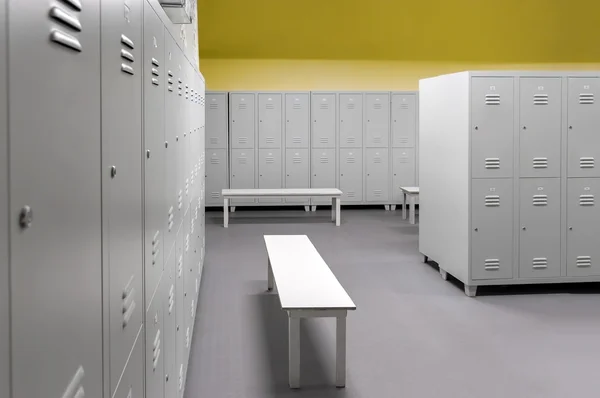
<point x="470" y="291"/>
<point x="443" y="274"/>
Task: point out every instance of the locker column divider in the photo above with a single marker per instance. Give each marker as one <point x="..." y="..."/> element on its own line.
<point x="564" y="185"/>
<point x="516" y="178"/>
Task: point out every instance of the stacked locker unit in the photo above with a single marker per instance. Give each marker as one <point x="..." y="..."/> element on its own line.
<point x="269" y="142"/>
<point x="297" y="144"/>
<point x="509" y="176"/>
<point x="376" y="143"/>
<point x="323" y="140"/>
<point x="404" y="143"/>
<point x="217" y="160"/>
<point x="242" y="122"/>
<point x="350" y="154"/>
<point x="110" y="205"/>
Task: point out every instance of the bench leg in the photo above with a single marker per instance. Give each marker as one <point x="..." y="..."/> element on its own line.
<point x="338" y="211"/>
<point x="403" y="206"/>
<point x="307" y="208"/>
<point x="412" y="209"/>
<point x="340" y="354"/>
<point x="393" y="207"/>
<point x="332" y="209"/>
<point x="313" y="208"/>
<point x="294" y="351"/>
<point x="233" y="209"/>
<point x="270" y="276"/>
<point x="225" y="212"/>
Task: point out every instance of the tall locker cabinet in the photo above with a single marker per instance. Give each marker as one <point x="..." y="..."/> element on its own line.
<point x="297" y="144"/>
<point x="270" y="167"/>
<point x="217" y="131"/>
<point x="55" y="199"/>
<point x="350" y="140"/>
<point x="376" y="142"/>
<point x="404" y="143"/>
<point x="509" y="178"/>
<point x="323" y="141"/>
<point x="242" y="122"/>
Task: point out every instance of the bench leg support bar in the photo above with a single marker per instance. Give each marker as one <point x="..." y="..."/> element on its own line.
<point x="294" y="351"/>
<point x="340" y="371"/>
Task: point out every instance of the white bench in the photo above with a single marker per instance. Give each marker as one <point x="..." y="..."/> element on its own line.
<point x="307" y="288"/>
<point x="334" y="193"/>
<point x="412" y="193"/>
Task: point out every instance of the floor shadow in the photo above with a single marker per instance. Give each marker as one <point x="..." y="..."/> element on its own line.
<point x="315" y="380"/>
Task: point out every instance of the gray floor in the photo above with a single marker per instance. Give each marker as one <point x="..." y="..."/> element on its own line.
<point x="413" y="334"/>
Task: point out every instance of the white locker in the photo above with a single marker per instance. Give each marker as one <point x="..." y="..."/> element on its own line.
<point x="404" y="120"/>
<point x="322" y="172"/>
<point x="242" y="171"/>
<point x="377" y="113"/>
<point x="4" y="233"/>
<point x="269" y="120"/>
<point x="269" y="172"/>
<point x="403" y="171"/>
<point x="583" y="228"/>
<point x="297" y="120"/>
<point x="216" y="121"/>
<point x="56" y="291"/>
<point x="297" y="172"/>
<point x="351" y="175"/>
<point x="179" y="307"/>
<point x="351" y="120"/>
<point x="377" y="181"/>
<point x="242" y="112"/>
<point x="216" y="175"/>
<point x="324" y="120"/>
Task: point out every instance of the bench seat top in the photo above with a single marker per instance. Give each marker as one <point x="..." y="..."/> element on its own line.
<point x="410" y="190"/>
<point x="282" y="192"/>
<point x="303" y="279"/>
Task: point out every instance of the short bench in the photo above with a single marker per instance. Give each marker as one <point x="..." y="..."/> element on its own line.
<point x="307" y="288"/>
<point x="334" y="193"/>
<point x="412" y="193"/>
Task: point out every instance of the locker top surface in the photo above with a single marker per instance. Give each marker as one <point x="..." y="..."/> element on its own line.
<point x="523" y="73"/>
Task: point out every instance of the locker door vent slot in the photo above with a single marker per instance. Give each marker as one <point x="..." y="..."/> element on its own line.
<point x="193" y="223"/>
<point x="540" y="200"/>
<point x="214" y="140"/>
<point x="350" y="160"/>
<point x="187" y="242"/>
<point x="270" y="160"/>
<point x="377" y="193"/>
<point x="350" y="194"/>
<point x="403" y="159"/>
<point x="242" y="107"/>
<point x="171" y="298"/>
<point x="155" y="81"/>
<point x="270" y="140"/>
<point x="492" y="264"/>
<point x="297" y="106"/>
<point x="193" y="303"/>
<point x="128" y="301"/>
<point x="586" y="200"/>
<point x="540" y="99"/>
<point x="324" y="106"/>
<point x="215" y="161"/>
<point x="156" y="350"/>
<point x="586" y="98"/>
<point x="270" y="106"/>
<point x="324" y="159"/>
<point x="492" y="201"/>
<point x="187" y="338"/>
<point x="404" y="140"/>
<point x="377" y="106"/>
<point x="377" y="140"/>
<point x="65" y="40"/>
<point x="242" y="140"/>
<point x="155" y="62"/>
<point x="180" y="377"/>
<point x="404" y="106"/>
<point x="350" y="140"/>
<point x="65" y="18"/>
<point x="492" y="163"/>
<point x="170" y="218"/>
<point x="324" y="140"/>
<point x="350" y="106"/>
<point x="155" y="246"/>
<point x="540" y="163"/>
<point x="540" y="263"/>
<point x="242" y="160"/>
<point x="584" y="261"/>
<point x="297" y="140"/>
<point x="377" y="159"/>
<point x="180" y="199"/>
<point x="75" y="4"/>
<point x="297" y="159"/>
<point x="155" y="72"/>
<point x="127" y="55"/>
<point x="492" y="99"/>
<point x="587" y="163"/>
<point x="215" y="195"/>
<point x="127" y="41"/>
<point x="213" y="106"/>
<point x="75" y="389"/>
<point x="170" y="89"/>
<point x="180" y="266"/>
<point x="127" y="69"/>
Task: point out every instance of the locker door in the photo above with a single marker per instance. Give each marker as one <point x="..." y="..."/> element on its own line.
<point x="297" y="120"/>
<point x="155" y="347"/>
<point x="351" y="120"/>
<point x="297" y="172"/>
<point x="323" y="116"/>
<point x="377" y="182"/>
<point x="216" y="120"/>
<point x="583" y="223"/>
<point x="132" y="381"/>
<point x="181" y="139"/>
<point x="540" y="129"/>
<point x="216" y="175"/>
<point x="4" y="233"/>
<point x="403" y="171"/>
<point x="378" y="120"/>
<point x="242" y="171"/>
<point x="170" y="327"/>
<point x="584" y="119"/>
<point x="122" y="67"/>
<point x="179" y="304"/>
<point x="269" y="120"/>
<point x="404" y="120"/>
<point x="154" y="144"/>
<point x="351" y="175"/>
<point x="539" y="232"/>
<point x="242" y="113"/>
<point x="492" y="127"/>
<point x="322" y="172"/>
<point x="269" y="172"/>
<point x="491" y="229"/>
<point x="56" y="298"/>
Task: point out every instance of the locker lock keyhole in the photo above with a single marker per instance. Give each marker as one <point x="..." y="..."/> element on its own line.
<point x="25" y="217"/>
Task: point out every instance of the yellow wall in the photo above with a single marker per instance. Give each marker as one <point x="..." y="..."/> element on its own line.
<point x="270" y="74"/>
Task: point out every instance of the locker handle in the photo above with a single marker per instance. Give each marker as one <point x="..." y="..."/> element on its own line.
<point x="476" y="229"/>
<point x="570" y="127"/>
<point x="524" y="228"/>
<point x="570" y="228"/>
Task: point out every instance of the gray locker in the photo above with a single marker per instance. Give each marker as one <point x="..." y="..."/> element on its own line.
<point x="539" y="228"/>
<point x="583" y="120"/>
<point x="404" y="120"/>
<point x="154" y="144"/>
<point x="351" y="120"/>
<point x="377" y="181"/>
<point x="540" y="127"/>
<point x="583" y="227"/>
<point x="323" y="120"/>
<point x="322" y="172"/>
<point x="179" y="305"/>
<point x="403" y="171"/>
<point x="216" y="120"/>
<point x="242" y="111"/>
<point x="269" y="172"/>
<point x="491" y="229"/>
<point x="54" y="105"/>
<point x="377" y="113"/>
<point x="297" y="120"/>
<point x="170" y="328"/>
<point x="155" y="348"/>
<point x="242" y="171"/>
<point x="132" y="381"/>
<point x="351" y="175"/>
<point x="269" y="120"/>
<point x="492" y="118"/>
<point x="297" y="172"/>
<point x="122" y="69"/>
<point x="216" y="175"/>
<point x="4" y="282"/>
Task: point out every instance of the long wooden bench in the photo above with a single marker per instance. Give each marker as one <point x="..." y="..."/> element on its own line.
<point x="307" y="288"/>
<point x="334" y="193"/>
